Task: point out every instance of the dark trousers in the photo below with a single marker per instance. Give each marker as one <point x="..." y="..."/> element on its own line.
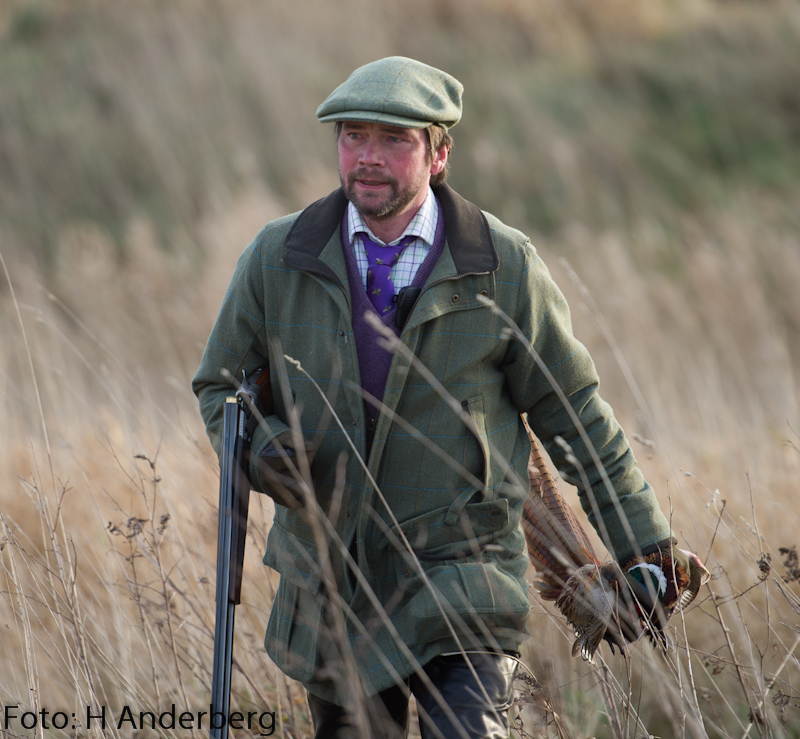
<point x="475" y="717"/>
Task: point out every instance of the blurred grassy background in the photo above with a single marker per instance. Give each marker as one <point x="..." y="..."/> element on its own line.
<point x="653" y="148"/>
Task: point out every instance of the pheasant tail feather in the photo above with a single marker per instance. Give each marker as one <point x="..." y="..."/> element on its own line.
<point x="557" y="544"/>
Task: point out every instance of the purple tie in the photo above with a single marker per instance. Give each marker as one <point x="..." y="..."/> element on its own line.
<point x="381" y="259"/>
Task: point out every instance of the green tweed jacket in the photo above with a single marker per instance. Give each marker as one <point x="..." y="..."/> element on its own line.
<point x="452" y="473"/>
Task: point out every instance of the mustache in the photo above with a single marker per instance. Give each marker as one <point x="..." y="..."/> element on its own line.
<point x="371" y="175"/>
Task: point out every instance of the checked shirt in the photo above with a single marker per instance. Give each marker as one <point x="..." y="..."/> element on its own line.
<point x="423" y="226"/>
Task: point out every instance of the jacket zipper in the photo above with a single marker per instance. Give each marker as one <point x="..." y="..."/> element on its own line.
<point x="346" y="299"/>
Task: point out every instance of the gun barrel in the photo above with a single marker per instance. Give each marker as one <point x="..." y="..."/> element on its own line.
<point x="234" y="496"/>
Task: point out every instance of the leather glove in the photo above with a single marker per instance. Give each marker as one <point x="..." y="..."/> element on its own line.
<point x="274" y="471"/>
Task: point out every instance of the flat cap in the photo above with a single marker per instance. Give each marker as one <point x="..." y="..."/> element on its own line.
<point x="398" y="91"/>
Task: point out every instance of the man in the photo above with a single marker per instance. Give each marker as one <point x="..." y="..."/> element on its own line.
<point x="371" y="310"/>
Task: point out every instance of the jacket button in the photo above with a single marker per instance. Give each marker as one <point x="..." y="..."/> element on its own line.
<point x="496" y="512"/>
<point x="485" y="293"/>
<point x="406" y="574"/>
<point x="455" y="298"/>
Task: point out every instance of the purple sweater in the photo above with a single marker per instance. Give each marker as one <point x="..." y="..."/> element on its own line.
<point x="373" y="359"/>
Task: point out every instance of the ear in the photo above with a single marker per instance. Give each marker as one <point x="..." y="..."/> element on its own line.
<point x="439" y="161"/>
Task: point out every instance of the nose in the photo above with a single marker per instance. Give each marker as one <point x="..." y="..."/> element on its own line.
<point x="371" y="154"/>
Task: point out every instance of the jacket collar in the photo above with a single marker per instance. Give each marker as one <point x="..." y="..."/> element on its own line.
<point x="469" y="238"/>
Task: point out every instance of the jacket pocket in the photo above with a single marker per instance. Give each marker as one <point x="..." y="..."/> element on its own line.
<point x="459" y="531"/>
<point x="476" y="597"/>
<point x="294" y="557"/>
<point x="293" y="630"/>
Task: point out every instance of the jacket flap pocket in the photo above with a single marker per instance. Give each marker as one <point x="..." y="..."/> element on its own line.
<point x="294" y="558"/>
<point x="476" y="598"/>
<point x="293" y="630"/>
<point x="439" y="534"/>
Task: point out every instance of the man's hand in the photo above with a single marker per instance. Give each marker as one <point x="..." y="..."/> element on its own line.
<point x="275" y="471"/>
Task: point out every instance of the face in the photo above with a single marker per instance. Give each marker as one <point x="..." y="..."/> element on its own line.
<point x="385" y="170"/>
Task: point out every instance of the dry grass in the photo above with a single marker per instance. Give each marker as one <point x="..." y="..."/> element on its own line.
<point x="108" y="560"/>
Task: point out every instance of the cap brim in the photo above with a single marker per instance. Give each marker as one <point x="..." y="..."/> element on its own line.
<point x="370" y="116"/>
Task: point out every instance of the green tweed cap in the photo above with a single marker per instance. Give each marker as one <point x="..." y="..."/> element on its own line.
<point x="398" y="91"/>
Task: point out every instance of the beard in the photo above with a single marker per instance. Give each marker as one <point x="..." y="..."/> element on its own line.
<point x="373" y="205"/>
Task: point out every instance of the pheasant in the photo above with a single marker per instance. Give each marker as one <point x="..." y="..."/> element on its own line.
<point x="598" y="601"/>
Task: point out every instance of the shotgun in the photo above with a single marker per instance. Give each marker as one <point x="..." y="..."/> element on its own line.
<point x="234" y="501"/>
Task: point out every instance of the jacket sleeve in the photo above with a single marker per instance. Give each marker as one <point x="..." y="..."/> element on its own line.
<point x="618" y="501"/>
<point x="239" y="341"/>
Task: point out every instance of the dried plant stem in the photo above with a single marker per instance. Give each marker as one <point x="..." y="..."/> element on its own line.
<point x="716" y="528"/>
<point x="613" y="716"/>
<point x="619" y="357"/>
<point x="155" y="549"/>
<point x="45" y="435"/>
<point x="283" y="677"/>
<point x="68" y="576"/>
<point x="737" y="665"/>
<point x="696" y="706"/>
<point x="722" y="695"/>
<point x="146" y="630"/>
<point x="762" y="653"/>
<point x="22" y="613"/>
<point x="63" y="615"/>
<point x="771" y="683"/>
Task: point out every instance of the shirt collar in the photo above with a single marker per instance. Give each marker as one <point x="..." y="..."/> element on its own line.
<point x="422" y="225"/>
